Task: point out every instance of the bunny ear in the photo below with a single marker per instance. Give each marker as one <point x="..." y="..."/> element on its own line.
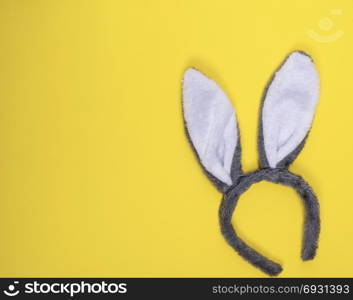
<point x="287" y="111"/>
<point x="212" y="129"/>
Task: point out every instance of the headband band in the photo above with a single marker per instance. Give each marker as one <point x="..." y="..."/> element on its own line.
<point x="279" y="176"/>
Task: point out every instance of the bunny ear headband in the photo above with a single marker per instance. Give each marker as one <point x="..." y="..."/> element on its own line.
<point x="287" y="111"/>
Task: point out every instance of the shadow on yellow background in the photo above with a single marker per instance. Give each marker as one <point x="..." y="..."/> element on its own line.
<point x="97" y="178"/>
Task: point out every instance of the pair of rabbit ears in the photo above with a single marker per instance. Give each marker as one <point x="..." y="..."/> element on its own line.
<point x="287" y="111"/>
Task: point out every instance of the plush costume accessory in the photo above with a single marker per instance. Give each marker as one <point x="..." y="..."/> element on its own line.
<point x="287" y="111"/>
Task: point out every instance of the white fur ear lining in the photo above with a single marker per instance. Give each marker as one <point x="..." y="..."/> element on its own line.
<point x="289" y="107"/>
<point x="211" y="124"/>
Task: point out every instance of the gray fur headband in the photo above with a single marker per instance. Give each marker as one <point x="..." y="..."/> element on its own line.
<point x="287" y="111"/>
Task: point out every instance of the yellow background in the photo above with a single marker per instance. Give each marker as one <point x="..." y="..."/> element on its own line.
<point x="97" y="177"/>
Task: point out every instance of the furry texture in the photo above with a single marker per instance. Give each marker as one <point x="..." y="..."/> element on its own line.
<point x="220" y="186"/>
<point x="211" y="124"/>
<point x="287" y="109"/>
<point x="286" y="161"/>
<point x="278" y="176"/>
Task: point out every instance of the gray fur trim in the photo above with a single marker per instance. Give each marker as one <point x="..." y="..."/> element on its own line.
<point x="279" y="176"/>
<point x="220" y="185"/>
<point x="236" y="169"/>
<point x="285" y="162"/>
